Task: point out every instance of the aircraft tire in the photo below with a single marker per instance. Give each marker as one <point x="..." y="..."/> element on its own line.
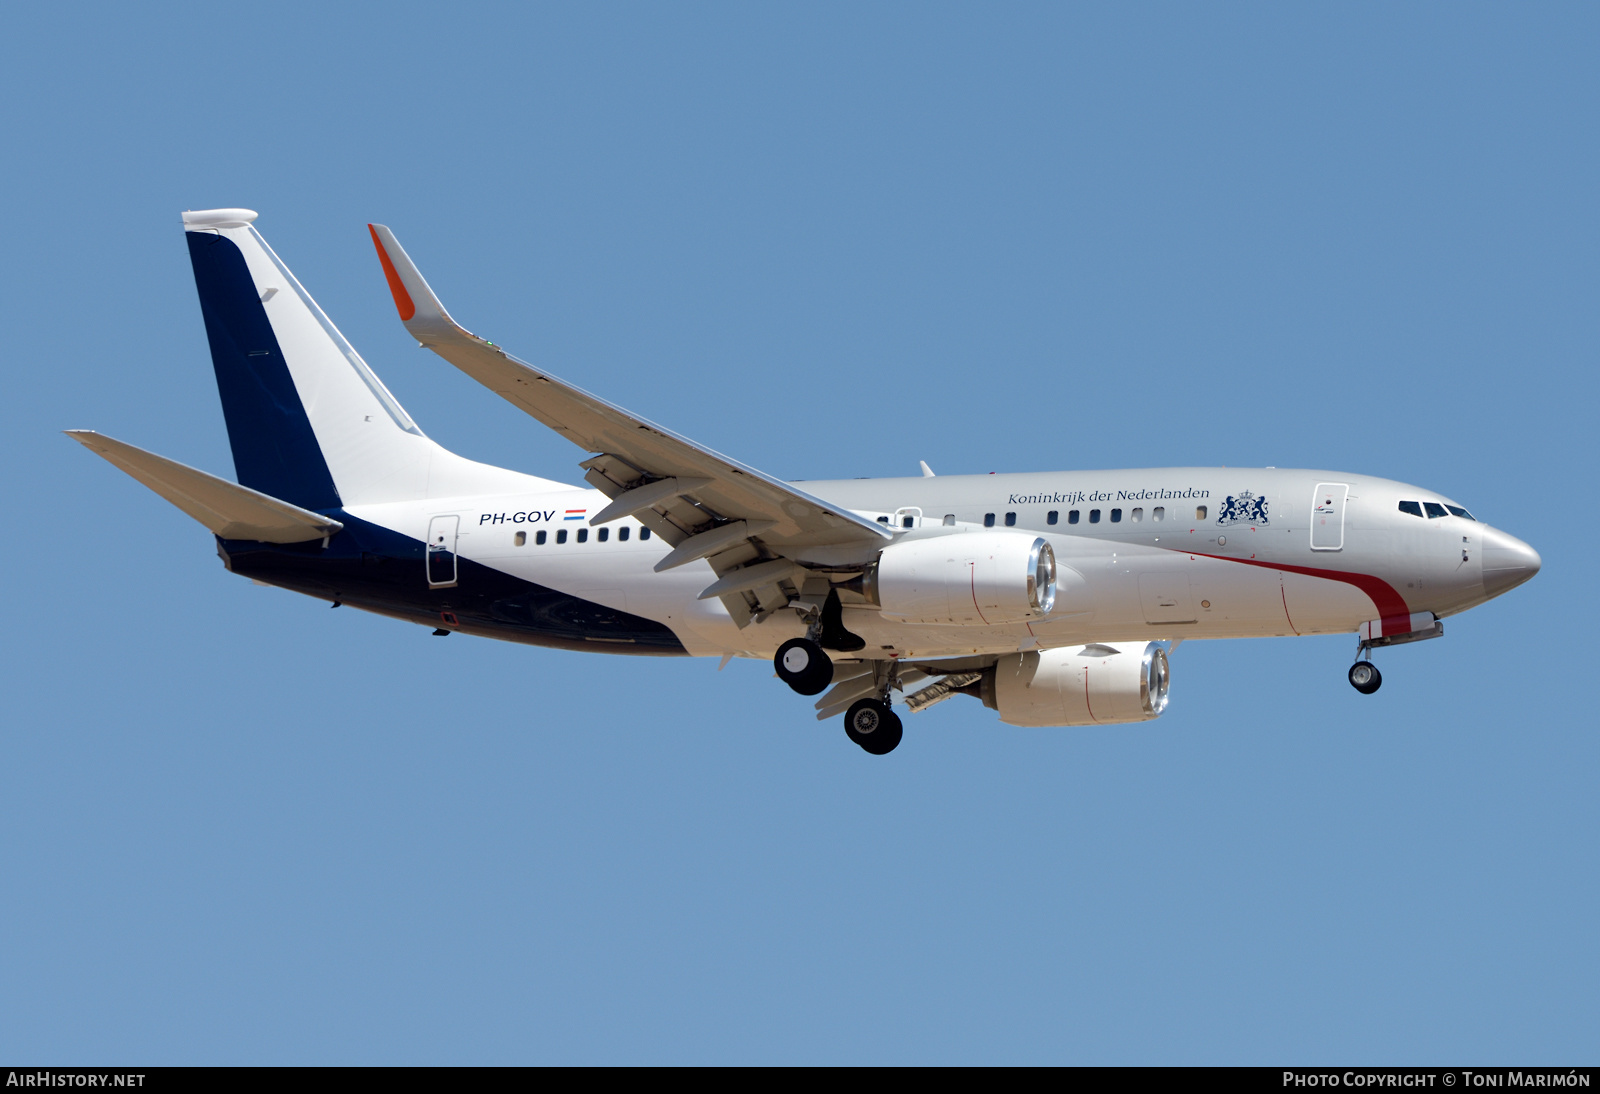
<point x="1365" y="677"/>
<point x="872" y="725"/>
<point x="803" y="665"/>
<point x="889" y="736"/>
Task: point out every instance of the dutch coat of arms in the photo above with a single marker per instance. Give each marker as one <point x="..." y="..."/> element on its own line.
<point x="1243" y="508"/>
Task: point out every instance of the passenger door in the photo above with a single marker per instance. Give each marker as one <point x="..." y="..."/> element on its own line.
<point x="441" y="563"/>
<point x="1327" y="516"/>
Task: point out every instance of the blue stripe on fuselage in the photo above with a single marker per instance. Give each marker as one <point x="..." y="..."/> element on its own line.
<point x="369" y="566"/>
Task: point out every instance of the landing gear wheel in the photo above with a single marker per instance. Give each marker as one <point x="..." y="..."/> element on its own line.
<point x="803" y="666"/>
<point x="1365" y="677"/>
<point x="872" y="725"/>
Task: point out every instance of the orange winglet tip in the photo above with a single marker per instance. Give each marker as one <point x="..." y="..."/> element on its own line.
<point x="402" y="299"/>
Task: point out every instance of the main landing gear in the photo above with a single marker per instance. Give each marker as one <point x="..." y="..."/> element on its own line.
<point x="804" y="665"/>
<point x="801" y="662"/>
<point x="872" y="725"/>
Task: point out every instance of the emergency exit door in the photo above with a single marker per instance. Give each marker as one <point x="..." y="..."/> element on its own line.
<point x="442" y="533"/>
<point x="1327" y="516"/>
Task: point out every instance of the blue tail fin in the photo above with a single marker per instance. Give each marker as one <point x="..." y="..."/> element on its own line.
<point x="275" y="449"/>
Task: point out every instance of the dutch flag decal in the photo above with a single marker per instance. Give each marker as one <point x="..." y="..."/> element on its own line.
<point x="575" y="514"/>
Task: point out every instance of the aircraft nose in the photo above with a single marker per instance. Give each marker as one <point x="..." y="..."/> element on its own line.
<point x="1507" y="561"/>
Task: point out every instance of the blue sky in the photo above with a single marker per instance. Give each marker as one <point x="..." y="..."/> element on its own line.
<point x="831" y="240"/>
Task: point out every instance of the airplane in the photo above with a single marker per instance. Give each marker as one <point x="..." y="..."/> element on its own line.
<point x="1054" y="598"/>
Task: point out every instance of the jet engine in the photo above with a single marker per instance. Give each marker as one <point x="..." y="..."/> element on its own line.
<point x="982" y="578"/>
<point x="1097" y="684"/>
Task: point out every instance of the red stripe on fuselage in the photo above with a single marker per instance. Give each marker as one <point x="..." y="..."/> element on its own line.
<point x="1392" y="607"/>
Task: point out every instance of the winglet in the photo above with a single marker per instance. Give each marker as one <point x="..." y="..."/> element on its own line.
<point x="402" y="299"/>
<point x="419" y="309"/>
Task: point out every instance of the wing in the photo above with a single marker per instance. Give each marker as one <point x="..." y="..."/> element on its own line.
<point x="701" y="502"/>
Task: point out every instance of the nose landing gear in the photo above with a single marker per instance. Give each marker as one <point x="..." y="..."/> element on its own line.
<point x="1365" y="677"/>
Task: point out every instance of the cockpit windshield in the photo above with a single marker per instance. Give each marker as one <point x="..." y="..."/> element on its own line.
<point x="1434" y="509"/>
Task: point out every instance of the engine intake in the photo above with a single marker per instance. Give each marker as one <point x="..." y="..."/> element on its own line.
<point x="983" y="578"/>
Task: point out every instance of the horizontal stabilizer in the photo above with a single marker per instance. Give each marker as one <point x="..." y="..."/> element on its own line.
<point x="228" y="509"/>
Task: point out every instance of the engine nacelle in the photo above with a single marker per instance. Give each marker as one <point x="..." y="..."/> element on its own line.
<point x="1101" y="683"/>
<point x="978" y="577"/>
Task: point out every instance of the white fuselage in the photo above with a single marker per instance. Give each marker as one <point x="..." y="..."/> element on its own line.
<point x="1160" y="553"/>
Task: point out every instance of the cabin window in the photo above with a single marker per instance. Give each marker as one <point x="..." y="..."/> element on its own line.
<point x="1434" y="509"/>
<point x="1456" y="510"/>
<point x="561" y="535"/>
<point x="603" y="534"/>
<point x="1412" y="507"/>
<point x="1159" y="513"/>
<point x="1136" y="516"/>
<point x="907" y="522"/>
<point x="539" y="538"/>
<point x="583" y="535"/>
<point x="1072" y="517"/>
<point x="988" y="520"/>
<point x="1052" y="516"/>
<point x="520" y="539"/>
<point x="1094" y="516"/>
<point x="644" y="534"/>
<point x="1011" y="520"/>
<point x="1199" y="512"/>
<point x="883" y="520"/>
<point x="1116" y="515"/>
<point x="949" y="520"/>
<point x="622" y="534"/>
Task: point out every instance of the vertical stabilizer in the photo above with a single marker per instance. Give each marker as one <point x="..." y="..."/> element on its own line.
<point x="308" y="421"/>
